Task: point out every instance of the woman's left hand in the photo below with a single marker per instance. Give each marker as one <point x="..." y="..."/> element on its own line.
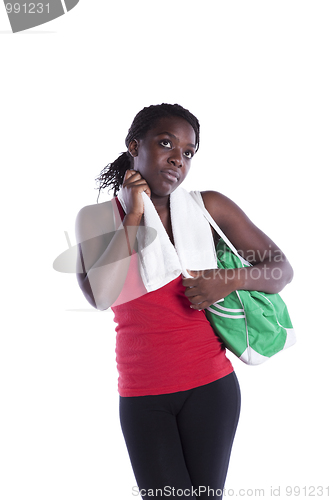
<point x="209" y="286"/>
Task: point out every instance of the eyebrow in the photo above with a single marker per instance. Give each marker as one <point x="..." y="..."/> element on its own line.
<point x="171" y="135"/>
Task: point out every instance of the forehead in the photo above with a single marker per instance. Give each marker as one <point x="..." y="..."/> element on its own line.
<point x="174" y="125"/>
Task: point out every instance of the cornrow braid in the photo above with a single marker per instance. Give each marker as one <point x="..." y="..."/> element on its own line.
<point x="113" y="174"/>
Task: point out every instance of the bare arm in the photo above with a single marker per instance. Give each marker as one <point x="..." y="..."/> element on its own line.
<point x="104" y="251"/>
<point x="270" y="273"/>
<point x="103" y="257"/>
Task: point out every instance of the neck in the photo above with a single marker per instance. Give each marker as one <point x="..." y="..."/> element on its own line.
<point x="161" y="203"/>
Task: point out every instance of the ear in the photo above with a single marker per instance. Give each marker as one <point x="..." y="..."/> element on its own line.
<point x="133" y="148"/>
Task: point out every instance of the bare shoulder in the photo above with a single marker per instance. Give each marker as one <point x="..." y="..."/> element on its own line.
<point x="98" y="209"/>
<point x="94" y="220"/>
<point x="223" y="210"/>
<point x="214" y="198"/>
<point x="240" y="230"/>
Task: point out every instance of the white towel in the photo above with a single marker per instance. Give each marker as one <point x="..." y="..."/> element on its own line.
<point x="160" y="261"/>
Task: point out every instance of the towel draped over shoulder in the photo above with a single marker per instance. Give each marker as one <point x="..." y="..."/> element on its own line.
<point x="160" y="261"/>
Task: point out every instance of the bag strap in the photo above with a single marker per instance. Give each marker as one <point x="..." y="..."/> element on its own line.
<point x="196" y="195"/>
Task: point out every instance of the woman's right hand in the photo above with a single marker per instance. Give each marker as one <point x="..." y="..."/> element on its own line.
<point x="133" y="186"/>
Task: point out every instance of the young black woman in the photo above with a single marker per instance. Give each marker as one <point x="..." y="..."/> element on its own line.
<point x="179" y="395"/>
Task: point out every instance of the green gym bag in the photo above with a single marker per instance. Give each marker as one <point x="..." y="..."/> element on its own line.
<point x="253" y="325"/>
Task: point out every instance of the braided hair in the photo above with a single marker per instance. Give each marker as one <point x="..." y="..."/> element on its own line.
<point x="113" y="174"/>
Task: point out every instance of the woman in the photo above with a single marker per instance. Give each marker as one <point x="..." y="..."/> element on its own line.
<point x="179" y="395"/>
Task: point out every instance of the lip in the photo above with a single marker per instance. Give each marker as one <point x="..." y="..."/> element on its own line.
<point x="171" y="174"/>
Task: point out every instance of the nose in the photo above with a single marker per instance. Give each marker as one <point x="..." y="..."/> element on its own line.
<point x="176" y="158"/>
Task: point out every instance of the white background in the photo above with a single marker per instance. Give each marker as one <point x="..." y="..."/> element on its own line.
<point x="258" y="74"/>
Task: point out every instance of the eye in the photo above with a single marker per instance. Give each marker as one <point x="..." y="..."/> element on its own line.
<point x="189" y="154"/>
<point x="166" y="143"/>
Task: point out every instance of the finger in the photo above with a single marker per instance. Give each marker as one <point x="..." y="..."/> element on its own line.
<point x="132" y="176"/>
<point x="198" y="306"/>
<point x="147" y="190"/>
<point x="131" y="182"/>
<point x="129" y="173"/>
<point x="139" y="184"/>
<point x="189" y="282"/>
<point x="191" y="292"/>
<point x="196" y="299"/>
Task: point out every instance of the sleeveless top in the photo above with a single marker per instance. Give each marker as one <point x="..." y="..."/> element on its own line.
<point x="163" y="345"/>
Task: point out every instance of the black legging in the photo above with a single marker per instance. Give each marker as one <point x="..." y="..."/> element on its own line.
<point x="180" y="443"/>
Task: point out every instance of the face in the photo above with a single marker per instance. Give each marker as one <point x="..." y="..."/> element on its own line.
<point x="163" y="157"/>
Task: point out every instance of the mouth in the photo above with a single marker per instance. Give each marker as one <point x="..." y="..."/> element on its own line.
<point x="170" y="174"/>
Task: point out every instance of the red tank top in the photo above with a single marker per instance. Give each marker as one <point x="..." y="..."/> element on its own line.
<point x="162" y="345"/>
